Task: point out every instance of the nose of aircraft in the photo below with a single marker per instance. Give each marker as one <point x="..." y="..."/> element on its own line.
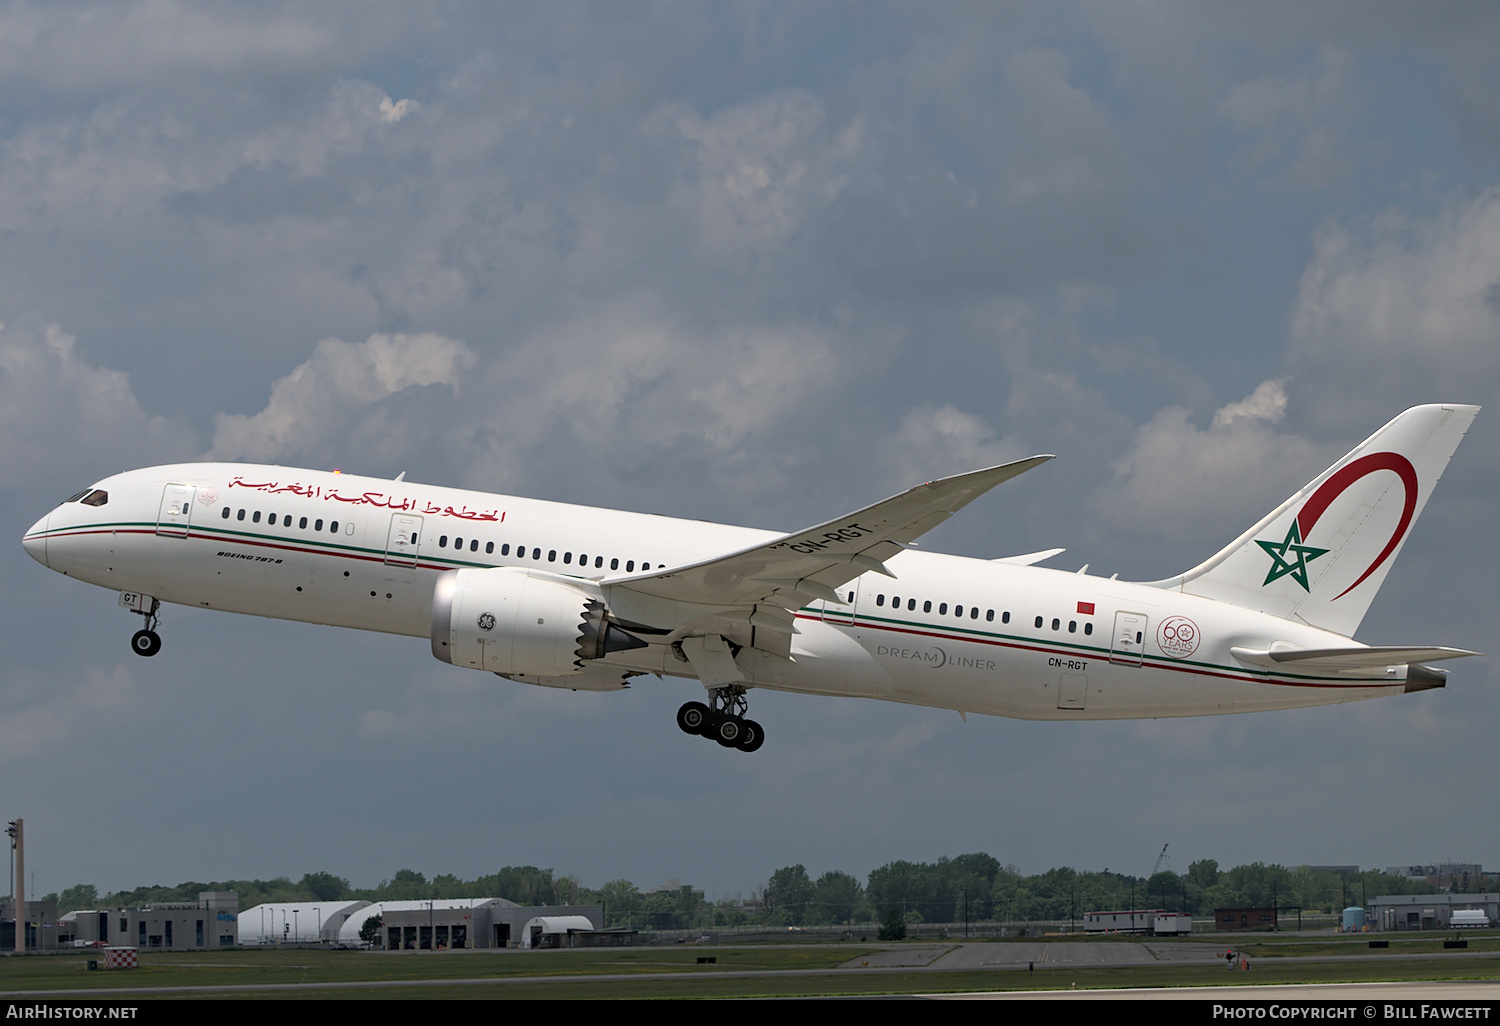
<point x="35" y="541"/>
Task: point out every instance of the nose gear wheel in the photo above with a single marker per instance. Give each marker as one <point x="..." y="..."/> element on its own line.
<point x="147" y="642"/>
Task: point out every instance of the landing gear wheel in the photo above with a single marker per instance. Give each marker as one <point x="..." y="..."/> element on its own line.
<point x="692" y="717"/>
<point x="145" y="643"/>
<point x="751" y="736"/>
<point x="727" y="731"/>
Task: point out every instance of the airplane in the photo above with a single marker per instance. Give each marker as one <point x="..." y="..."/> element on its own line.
<point x="574" y="597"/>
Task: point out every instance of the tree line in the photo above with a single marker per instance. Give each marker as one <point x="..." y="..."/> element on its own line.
<point x="972" y="888"/>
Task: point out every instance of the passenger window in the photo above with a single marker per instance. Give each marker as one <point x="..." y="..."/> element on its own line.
<point x="567" y="558"/>
<point x="974" y="613"/>
<point x="1088" y="628"/>
<point x="318" y="525"/>
<point x="895" y="601"/>
<point x="241" y="515"/>
<point x="97" y="498"/>
<point x="1072" y="626"/>
<point x="490" y="547"/>
<point x="1004" y="617"/>
<point x="927" y="606"/>
<point x="226" y="513"/>
<point x="255" y="517"/>
<point x="911" y="605"/>
<point x="302" y="524"/>
<point x="458" y="543"/>
<point x="943" y="610"/>
<point x="1039" y="623"/>
<point x="880" y="600"/>
<point x="504" y="549"/>
<point x="271" y="519"/>
<point x="614" y="564"/>
<point x="630" y="566"/>
<point x="536" y="553"/>
<point x="989" y="614"/>
<point x="598" y="562"/>
<point x="333" y="526"/>
<point x="443" y="542"/>
<point x="552" y="555"/>
<point x="474" y="544"/>
<point x="1056" y="623"/>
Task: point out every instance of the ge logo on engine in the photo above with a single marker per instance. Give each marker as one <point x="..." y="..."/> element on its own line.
<point x="486" y="621"/>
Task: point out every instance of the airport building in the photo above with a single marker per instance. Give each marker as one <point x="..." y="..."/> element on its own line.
<point x="1430" y="911"/>
<point x="211" y="922"/>
<point x="448" y="924"/>
<point x="1245" y="919"/>
<point x="40" y="922"/>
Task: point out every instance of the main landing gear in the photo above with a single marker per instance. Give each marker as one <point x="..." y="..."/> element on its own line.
<point x="145" y="642"/>
<point x="723" y="719"/>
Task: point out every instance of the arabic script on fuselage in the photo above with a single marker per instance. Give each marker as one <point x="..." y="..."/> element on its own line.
<point x="381" y="499"/>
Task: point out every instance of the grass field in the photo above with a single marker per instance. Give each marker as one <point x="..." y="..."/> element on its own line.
<point x="808" y="969"/>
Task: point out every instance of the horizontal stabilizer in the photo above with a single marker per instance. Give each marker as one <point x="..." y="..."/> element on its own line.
<point x="1361" y="658"/>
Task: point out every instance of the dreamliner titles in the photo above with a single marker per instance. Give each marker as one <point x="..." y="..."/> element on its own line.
<point x="935" y="658"/>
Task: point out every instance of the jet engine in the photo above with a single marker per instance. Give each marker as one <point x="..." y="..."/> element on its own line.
<point x="517" y="622"/>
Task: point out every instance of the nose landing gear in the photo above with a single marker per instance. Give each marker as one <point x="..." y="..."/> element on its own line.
<point x="723" y="719"/>
<point x="144" y="642"/>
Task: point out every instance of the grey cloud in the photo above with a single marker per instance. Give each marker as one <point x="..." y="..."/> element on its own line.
<point x="756" y="264"/>
<point x="254" y="195"/>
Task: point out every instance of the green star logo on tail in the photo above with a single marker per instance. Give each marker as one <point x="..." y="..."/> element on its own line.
<point x="1297" y="565"/>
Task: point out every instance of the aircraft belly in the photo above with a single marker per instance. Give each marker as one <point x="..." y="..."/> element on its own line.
<point x="833" y="660"/>
<point x="211" y="573"/>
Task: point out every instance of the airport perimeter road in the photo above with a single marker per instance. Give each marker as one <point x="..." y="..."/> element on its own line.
<point x="1454" y="990"/>
<point x="1021" y="954"/>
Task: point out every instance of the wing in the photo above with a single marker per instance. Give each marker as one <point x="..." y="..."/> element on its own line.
<point x="763" y="585"/>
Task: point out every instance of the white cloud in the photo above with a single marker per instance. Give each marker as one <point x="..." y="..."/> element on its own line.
<point x="391" y="112"/>
<point x="60" y="413"/>
<point x="933" y="441"/>
<point x="1403" y="309"/>
<point x="1298" y="120"/>
<point x="763" y="168"/>
<point x="1267" y="403"/>
<point x="317" y="404"/>
<point x="1214" y="483"/>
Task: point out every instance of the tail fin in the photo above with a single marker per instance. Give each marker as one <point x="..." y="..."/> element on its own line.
<point x="1321" y="556"/>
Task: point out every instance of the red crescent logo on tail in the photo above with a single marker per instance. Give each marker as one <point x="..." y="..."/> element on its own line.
<point x="1346" y="476"/>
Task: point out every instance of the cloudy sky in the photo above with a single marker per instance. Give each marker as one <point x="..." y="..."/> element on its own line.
<point x="754" y="263"/>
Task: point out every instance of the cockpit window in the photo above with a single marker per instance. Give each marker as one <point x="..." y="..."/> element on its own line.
<point x="97" y="497"/>
<point x="75" y="498"/>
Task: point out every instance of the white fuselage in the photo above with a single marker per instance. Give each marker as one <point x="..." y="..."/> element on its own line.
<point x="972" y="635"/>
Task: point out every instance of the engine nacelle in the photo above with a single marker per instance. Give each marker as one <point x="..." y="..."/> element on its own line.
<point x="514" y="622"/>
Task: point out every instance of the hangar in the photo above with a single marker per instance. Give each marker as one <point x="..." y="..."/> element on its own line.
<point x="442" y="924"/>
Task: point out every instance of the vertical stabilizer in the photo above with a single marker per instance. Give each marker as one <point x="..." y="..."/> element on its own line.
<point x="1321" y="556"/>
